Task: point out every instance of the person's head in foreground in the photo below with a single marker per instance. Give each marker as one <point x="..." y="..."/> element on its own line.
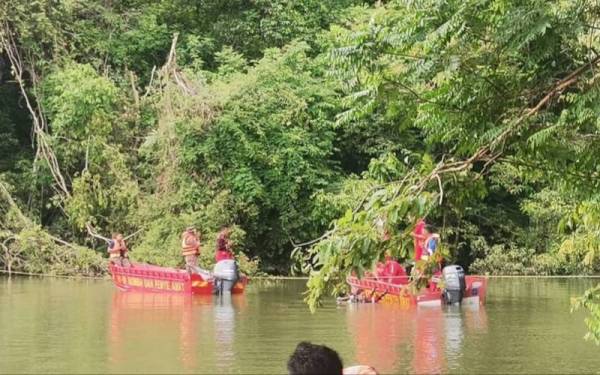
<point x="310" y="359"/>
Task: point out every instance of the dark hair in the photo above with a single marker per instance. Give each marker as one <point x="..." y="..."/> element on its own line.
<point x="309" y="359"/>
<point x="430" y="228"/>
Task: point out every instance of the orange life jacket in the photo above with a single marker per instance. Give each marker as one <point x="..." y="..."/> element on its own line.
<point x="123" y="248"/>
<point x="115" y="250"/>
<point x="190" y="244"/>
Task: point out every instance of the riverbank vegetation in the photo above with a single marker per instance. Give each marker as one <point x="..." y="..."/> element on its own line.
<point x="307" y="125"/>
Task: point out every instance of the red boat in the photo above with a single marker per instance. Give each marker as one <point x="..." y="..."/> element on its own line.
<point x="386" y="289"/>
<point x="145" y="277"/>
<point x="391" y="284"/>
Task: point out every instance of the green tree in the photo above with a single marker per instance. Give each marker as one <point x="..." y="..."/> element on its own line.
<point x="482" y="84"/>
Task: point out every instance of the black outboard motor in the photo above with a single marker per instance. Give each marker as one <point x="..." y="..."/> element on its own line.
<point x="454" y="280"/>
<point x="225" y="275"/>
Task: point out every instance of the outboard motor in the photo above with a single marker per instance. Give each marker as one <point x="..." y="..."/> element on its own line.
<point x="225" y="275"/>
<point x="454" y="280"/>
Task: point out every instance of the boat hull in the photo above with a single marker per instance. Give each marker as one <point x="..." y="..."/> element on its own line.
<point x="396" y="290"/>
<point x="149" y="278"/>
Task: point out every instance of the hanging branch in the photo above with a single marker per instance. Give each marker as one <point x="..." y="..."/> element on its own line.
<point x="40" y="126"/>
<point x="304" y="244"/>
<point x="24" y="220"/>
<point x="150" y="83"/>
<point x="489" y="152"/>
<point x="5" y="195"/>
<point x="134" y="91"/>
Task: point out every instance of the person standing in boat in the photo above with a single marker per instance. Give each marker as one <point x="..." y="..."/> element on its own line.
<point x="223" y="250"/>
<point x="190" y="247"/>
<point x="431" y="245"/>
<point x="124" y="251"/>
<point x="432" y="241"/>
<point x="117" y="250"/>
<point x="419" y="238"/>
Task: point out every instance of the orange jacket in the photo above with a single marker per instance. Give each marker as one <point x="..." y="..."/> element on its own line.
<point x="190" y="245"/>
<point x="117" y="248"/>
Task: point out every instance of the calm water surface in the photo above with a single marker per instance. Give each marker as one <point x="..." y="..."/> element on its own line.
<point x="71" y="326"/>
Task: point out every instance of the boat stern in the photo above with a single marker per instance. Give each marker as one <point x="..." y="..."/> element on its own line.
<point x="476" y="290"/>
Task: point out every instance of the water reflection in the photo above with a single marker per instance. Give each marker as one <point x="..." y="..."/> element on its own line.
<point x="418" y="340"/>
<point x="454" y="334"/>
<point x="428" y="353"/>
<point x="475" y="319"/>
<point x="379" y="332"/>
<point x="225" y="308"/>
<point x="68" y="326"/>
<point x="162" y="319"/>
<point x="188" y="334"/>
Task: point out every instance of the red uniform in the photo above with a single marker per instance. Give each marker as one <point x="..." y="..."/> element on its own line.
<point x="419" y="239"/>
<point x="391" y="271"/>
<point x="223" y="255"/>
<point x="223" y="247"/>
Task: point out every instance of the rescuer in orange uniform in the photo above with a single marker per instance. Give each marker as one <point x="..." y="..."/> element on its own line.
<point x="190" y="247"/>
<point x="223" y="246"/>
<point x="117" y="250"/>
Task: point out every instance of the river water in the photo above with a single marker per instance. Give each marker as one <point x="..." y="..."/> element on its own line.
<point x="78" y="326"/>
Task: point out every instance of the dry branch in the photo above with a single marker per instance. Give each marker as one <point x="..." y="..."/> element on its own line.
<point x="94" y="234"/>
<point x="488" y="152"/>
<point x="40" y="126"/>
<point x="5" y="194"/>
<point x="136" y="94"/>
<point x="25" y="222"/>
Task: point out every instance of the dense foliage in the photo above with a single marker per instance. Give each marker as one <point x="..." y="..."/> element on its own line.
<point x="147" y="117"/>
<point x="337" y="124"/>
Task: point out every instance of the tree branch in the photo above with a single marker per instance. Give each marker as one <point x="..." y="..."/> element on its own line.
<point x="40" y="126"/>
<point x="489" y="151"/>
<point x="92" y="233"/>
